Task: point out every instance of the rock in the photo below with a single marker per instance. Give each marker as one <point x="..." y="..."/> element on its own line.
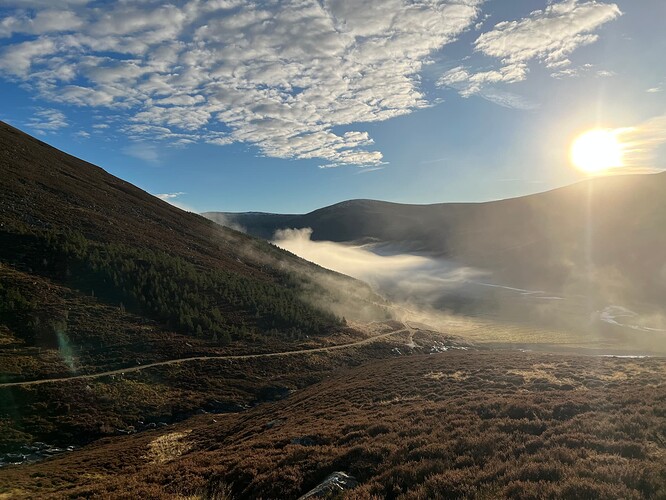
<point x="332" y="486"/>
<point x="304" y="441"/>
<point x="274" y="423"/>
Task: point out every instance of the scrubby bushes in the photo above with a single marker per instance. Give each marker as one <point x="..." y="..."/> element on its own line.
<point x="402" y="434"/>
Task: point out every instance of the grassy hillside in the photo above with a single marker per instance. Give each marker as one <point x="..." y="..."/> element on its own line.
<point x="77" y="226"/>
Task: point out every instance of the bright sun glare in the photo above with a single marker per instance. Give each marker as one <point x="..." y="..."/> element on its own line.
<point x="596" y="151"/>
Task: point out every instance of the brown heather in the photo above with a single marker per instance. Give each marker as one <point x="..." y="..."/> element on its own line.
<point x="583" y="431"/>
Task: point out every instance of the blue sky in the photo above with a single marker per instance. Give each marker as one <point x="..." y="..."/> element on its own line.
<point x="289" y="106"/>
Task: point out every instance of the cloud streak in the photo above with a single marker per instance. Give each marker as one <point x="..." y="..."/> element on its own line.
<point x="640" y="145"/>
<point x="47" y="120"/>
<point x="143" y="151"/>
<point x="169" y="196"/>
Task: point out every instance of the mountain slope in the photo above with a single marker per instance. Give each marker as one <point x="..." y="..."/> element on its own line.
<point x="97" y="275"/>
<point x="76" y="212"/>
<point x="611" y="229"/>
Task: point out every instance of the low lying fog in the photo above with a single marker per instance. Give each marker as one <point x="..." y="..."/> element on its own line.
<point x="399" y="276"/>
<point x="433" y="286"/>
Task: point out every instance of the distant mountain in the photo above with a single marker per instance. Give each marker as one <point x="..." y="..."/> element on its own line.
<point x="607" y="232"/>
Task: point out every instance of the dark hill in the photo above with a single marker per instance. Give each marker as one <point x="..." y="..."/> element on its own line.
<point x="101" y="239"/>
<point x="612" y="229"/>
<point x="97" y="275"/>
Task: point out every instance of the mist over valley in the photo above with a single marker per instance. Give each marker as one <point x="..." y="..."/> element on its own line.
<point x="586" y="258"/>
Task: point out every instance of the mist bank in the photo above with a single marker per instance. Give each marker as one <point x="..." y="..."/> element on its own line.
<point x="602" y="237"/>
<point x="432" y="289"/>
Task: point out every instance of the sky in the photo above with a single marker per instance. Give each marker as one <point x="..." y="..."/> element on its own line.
<point x="288" y="106"/>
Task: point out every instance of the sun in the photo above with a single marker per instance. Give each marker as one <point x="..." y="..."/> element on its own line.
<point x="596" y="151"/>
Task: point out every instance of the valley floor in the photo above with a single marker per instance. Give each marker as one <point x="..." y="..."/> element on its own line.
<point x="402" y="419"/>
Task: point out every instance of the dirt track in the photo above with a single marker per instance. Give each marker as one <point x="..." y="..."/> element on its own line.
<point x="207" y="358"/>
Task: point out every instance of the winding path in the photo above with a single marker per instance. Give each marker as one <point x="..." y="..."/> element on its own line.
<point x="137" y="368"/>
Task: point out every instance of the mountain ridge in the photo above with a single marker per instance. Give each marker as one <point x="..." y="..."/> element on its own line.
<point x="540" y="240"/>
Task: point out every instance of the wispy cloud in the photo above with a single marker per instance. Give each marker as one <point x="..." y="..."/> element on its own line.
<point x="367" y="170"/>
<point x="277" y="75"/>
<point x="507" y="99"/>
<point x="584" y="69"/>
<point x="641" y="144"/>
<point x="143" y="151"/>
<point x="403" y="276"/>
<point x="47" y="120"/>
<point x="435" y="160"/>
<point x="174" y="199"/>
<point x="548" y="36"/>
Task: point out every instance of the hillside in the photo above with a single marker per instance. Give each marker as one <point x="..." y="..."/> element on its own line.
<point x="146" y="351"/>
<point x="98" y="275"/>
<point x="71" y="222"/>
<point x="608" y="231"/>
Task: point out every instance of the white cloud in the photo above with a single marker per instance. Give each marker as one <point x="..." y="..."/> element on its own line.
<point x="548" y="36"/>
<point x="403" y="276"/>
<point x="604" y="73"/>
<point x="43" y="3"/>
<point x="507" y="99"/>
<point x="278" y="75"/>
<point x="45" y="21"/>
<point x="367" y="170"/>
<point x="143" y="151"/>
<point x="17" y="59"/>
<point x="169" y="196"/>
<point x="469" y="83"/>
<point x="642" y="145"/>
<point x="173" y="199"/>
<point x="47" y="120"/>
<point x="575" y="72"/>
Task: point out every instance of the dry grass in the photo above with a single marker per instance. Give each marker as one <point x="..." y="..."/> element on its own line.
<point x="167" y="447"/>
<point x="452" y="425"/>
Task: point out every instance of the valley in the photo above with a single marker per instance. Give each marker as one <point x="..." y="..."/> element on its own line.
<point x="332" y="250"/>
<point x="147" y="351"/>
